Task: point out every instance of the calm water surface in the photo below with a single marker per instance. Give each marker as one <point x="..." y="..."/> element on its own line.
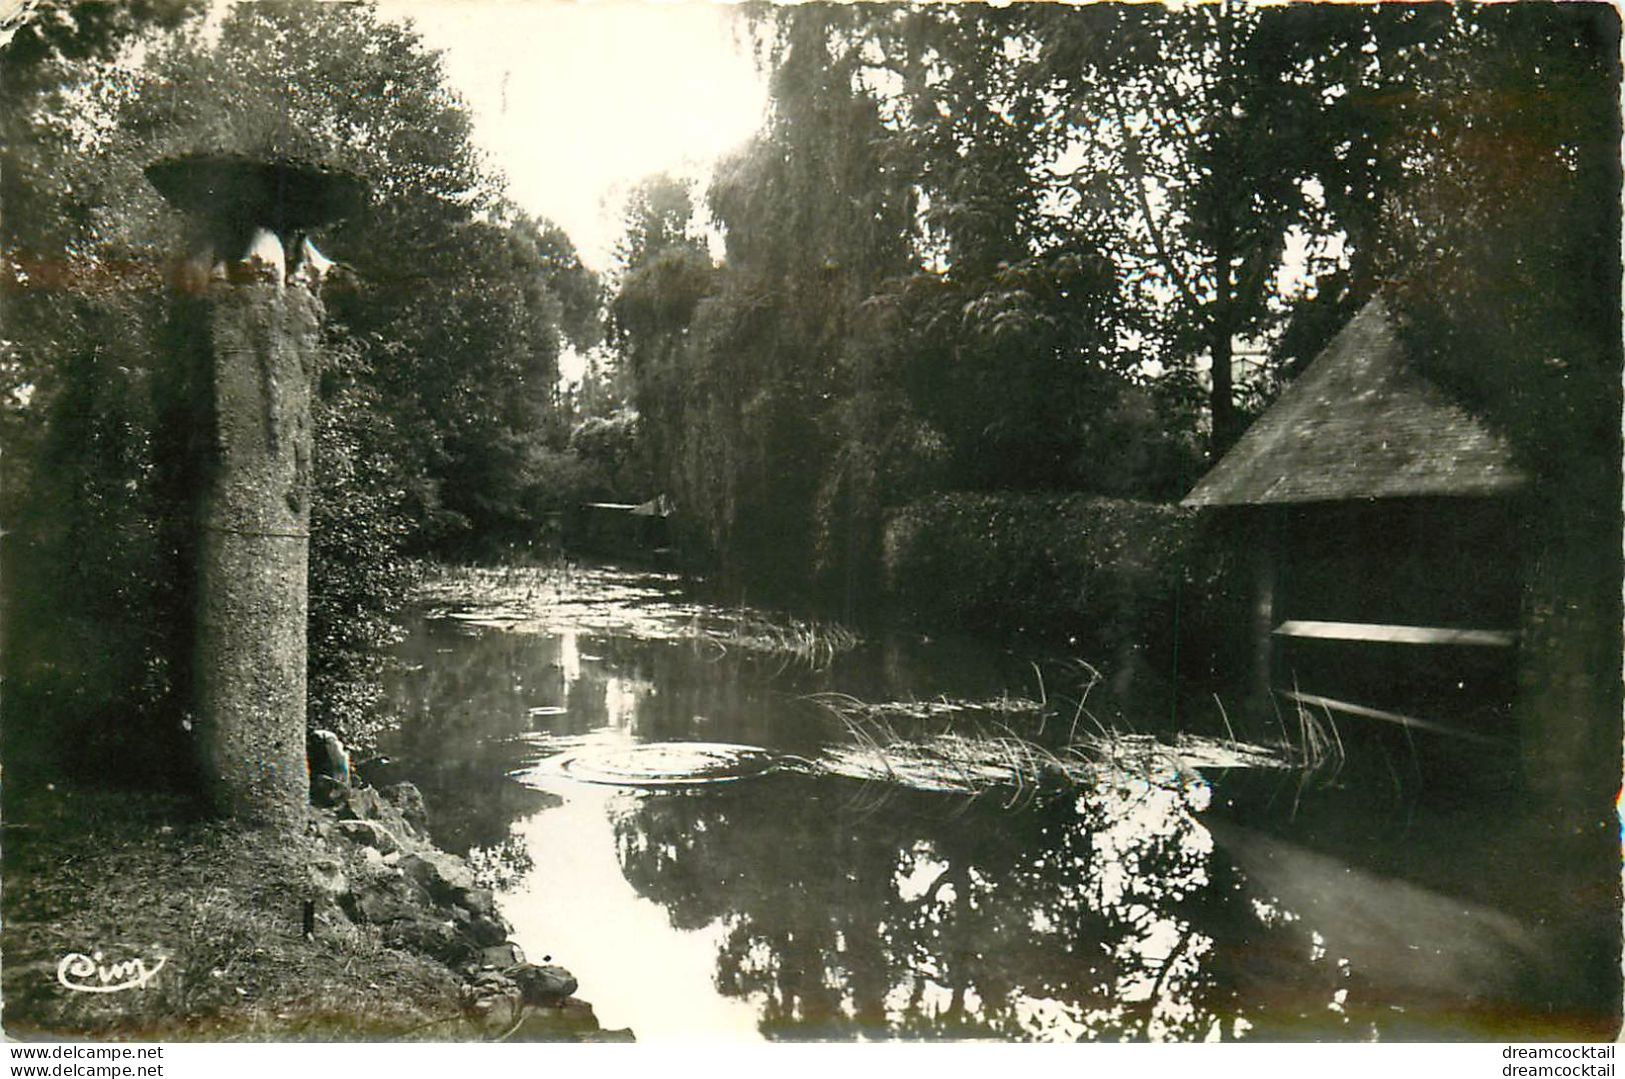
<point x="680" y="816"/>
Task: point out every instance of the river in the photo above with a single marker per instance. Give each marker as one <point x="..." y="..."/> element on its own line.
<point x="734" y="826"/>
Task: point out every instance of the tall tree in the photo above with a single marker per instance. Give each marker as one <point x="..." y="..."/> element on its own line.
<point x="663" y="270"/>
<point x="1206" y="137"/>
<point x="658" y="217"/>
<point x="738" y="368"/>
<point x="86" y="650"/>
<point x="1011" y="352"/>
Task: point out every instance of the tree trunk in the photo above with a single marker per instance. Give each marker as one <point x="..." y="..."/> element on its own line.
<point x="1222" y="403"/>
<point x="1222" y="398"/>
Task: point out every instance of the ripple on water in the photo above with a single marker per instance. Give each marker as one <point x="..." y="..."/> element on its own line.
<point x="665" y="764"/>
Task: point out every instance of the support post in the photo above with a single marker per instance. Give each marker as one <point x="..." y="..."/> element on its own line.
<point x="1262" y="628"/>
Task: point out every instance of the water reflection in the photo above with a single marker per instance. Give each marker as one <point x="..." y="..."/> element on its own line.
<point x="795" y="903"/>
<point x="483" y="702"/>
<point x="465" y="695"/>
<point x="1088" y="917"/>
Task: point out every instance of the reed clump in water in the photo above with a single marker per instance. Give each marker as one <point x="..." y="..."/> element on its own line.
<point x="812" y="643"/>
<point x="1312" y="739"/>
<point x="974" y="747"/>
<point x="969" y="747"/>
<point x="475" y="587"/>
<point x="846" y="706"/>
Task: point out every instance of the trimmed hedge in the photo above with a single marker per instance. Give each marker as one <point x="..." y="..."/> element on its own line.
<point x="1107" y="576"/>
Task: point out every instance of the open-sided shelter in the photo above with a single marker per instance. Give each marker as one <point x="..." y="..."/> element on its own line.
<point x="1382" y="525"/>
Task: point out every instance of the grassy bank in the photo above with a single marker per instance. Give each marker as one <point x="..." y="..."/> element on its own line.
<point x="134" y="876"/>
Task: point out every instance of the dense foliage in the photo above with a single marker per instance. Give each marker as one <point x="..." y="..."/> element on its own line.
<point x="1063" y="248"/>
<point x="1511" y="208"/>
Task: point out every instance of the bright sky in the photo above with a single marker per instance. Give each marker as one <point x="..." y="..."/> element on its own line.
<point x="576" y="102"/>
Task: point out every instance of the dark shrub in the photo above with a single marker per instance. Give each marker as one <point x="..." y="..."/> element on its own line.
<point x="359" y="576"/>
<point x="1112" y="578"/>
<point x="613" y="446"/>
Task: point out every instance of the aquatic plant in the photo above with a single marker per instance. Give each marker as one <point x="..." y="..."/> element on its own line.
<point x="813" y="643"/>
<point x="1311" y="742"/>
<point x="845" y="705"/>
<point x="470" y="586"/>
<point x="1314" y="743"/>
<point x="972" y="747"/>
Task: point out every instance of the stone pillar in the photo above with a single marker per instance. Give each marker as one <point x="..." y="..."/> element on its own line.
<point x="258" y="329"/>
<point x="253" y="550"/>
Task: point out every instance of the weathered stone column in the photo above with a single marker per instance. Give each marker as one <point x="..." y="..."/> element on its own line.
<point x="252" y="280"/>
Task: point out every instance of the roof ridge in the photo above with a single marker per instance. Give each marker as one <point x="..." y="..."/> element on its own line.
<point x="1362" y="421"/>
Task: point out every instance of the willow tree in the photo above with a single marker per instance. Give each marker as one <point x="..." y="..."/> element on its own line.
<point x="739" y="367"/>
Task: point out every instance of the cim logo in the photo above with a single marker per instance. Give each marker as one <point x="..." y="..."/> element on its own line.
<point x="88" y="974"/>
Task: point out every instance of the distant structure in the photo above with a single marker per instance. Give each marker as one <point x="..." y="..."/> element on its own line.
<point x="637" y="531"/>
<point x="247" y="297"/>
<point x="1383" y="526"/>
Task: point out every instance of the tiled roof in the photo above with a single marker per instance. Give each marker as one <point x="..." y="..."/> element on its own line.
<point x="1361" y="422"/>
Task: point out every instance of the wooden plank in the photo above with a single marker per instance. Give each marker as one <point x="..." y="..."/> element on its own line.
<point x="1315" y="700"/>
<point x="1381" y="634"/>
